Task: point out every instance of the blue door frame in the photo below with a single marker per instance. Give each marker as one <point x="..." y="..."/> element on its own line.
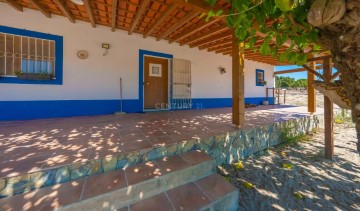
<point x="142" y="54"/>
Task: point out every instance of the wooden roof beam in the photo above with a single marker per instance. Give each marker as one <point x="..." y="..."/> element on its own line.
<point x="139" y="14"/>
<point x="184" y="20"/>
<point x="89" y="12"/>
<point x="40" y="8"/>
<point x="224" y="50"/>
<point x="195" y="29"/>
<point x="200" y="5"/>
<point x="208" y="34"/>
<point x="225" y="45"/>
<point x="216" y="44"/>
<point x="61" y="5"/>
<point x="114" y="11"/>
<point x="295" y="70"/>
<point x="160" y="20"/>
<point x="313" y="71"/>
<point x="14" y="5"/>
<point x="319" y="58"/>
<point x="212" y="39"/>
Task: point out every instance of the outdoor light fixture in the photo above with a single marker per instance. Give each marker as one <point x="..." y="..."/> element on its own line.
<point x="78" y="2"/>
<point x="105" y="46"/>
<point x="222" y="70"/>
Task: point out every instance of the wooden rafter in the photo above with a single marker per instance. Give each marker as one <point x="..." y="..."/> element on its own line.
<point x="61" y="5"/>
<point x="221" y="47"/>
<point x="208" y="34"/>
<point x="139" y="14"/>
<point x="335" y="75"/>
<point x="89" y="12"/>
<point x="41" y="8"/>
<point x="184" y="20"/>
<point x="228" y="48"/>
<point x="14" y="5"/>
<point x="160" y="20"/>
<point x="212" y="39"/>
<point x="201" y="6"/>
<point x="195" y="29"/>
<point x="319" y="58"/>
<point x="114" y="14"/>
<point x="216" y="44"/>
<point x="313" y="71"/>
<point x="295" y="70"/>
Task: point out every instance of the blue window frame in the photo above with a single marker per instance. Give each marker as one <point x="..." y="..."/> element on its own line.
<point x="260" y="77"/>
<point x="32" y="62"/>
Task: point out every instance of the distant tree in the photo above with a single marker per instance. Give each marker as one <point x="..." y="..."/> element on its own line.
<point x="288" y="82"/>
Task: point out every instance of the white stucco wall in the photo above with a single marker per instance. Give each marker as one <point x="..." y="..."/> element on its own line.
<point x="98" y="76"/>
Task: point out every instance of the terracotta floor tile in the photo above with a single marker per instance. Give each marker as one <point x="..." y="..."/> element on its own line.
<point x="171" y="164"/>
<point x="187" y="197"/>
<point x="70" y="137"/>
<point x="156" y="203"/>
<point x="103" y="183"/>
<point x="141" y="172"/>
<point x="195" y="157"/>
<point x="136" y="145"/>
<point x="162" y="141"/>
<point x="60" y="159"/>
<point x="215" y="186"/>
<point x="28" y="165"/>
<point x="45" y="199"/>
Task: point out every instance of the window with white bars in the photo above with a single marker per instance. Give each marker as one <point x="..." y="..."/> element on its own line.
<point x="22" y="54"/>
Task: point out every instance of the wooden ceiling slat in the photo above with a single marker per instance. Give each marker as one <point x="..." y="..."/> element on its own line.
<point x="89" y="12"/>
<point x="64" y="10"/>
<point x="160" y="20"/>
<point x="174" y="20"/>
<point x="114" y="11"/>
<point x="14" y="5"/>
<point x="40" y="8"/>
<point x="184" y="20"/>
<point x="216" y="44"/>
<point x="139" y="14"/>
<point x="195" y="29"/>
<point x="225" y="45"/>
<point x="212" y="32"/>
<point x="212" y="39"/>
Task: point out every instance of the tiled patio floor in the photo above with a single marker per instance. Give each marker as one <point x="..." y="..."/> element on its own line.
<point x="28" y="146"/>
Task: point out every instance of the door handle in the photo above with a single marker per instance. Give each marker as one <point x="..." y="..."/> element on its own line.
<point x="147" y="83"/>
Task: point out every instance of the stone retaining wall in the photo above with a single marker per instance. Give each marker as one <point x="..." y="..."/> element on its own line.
<point x="224" y="148"/>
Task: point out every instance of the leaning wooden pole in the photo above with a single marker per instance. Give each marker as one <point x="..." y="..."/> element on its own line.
<point x="311" y="90"/>
<point x="328" y="114"/>
<point x="238" y="87"/>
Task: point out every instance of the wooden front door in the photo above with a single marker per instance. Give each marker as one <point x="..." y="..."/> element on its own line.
<point x="155" y="83"/>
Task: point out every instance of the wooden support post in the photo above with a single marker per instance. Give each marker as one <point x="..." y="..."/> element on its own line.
<point x="238" y="87"/>
<point x="328" y="114"/>
<point x="274" y="97"/>
<point x="311" y="90"/>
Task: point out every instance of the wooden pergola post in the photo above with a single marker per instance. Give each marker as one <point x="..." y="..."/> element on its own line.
<point x="238" y="83"/>
<point x="311" y="90"/>
<point x="328" y="113"/>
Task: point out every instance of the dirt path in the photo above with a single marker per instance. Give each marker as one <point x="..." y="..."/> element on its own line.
<point x="322" y="184"/>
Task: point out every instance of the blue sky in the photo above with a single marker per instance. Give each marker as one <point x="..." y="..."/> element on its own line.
<point x="297" y="76"/>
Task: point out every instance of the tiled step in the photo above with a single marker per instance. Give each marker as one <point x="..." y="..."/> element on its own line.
<point x="117" y="188"/>
<point x="209" y="193"/>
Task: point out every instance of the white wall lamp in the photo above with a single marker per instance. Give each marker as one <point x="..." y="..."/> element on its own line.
<point x="78" y="2"/>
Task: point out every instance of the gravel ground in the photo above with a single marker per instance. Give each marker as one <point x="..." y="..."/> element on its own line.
<point x="307" y="181"/>
<point x="313" y="183"/>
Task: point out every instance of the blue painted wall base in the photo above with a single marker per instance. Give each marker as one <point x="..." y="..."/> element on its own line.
<point x="26" y="110"/>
